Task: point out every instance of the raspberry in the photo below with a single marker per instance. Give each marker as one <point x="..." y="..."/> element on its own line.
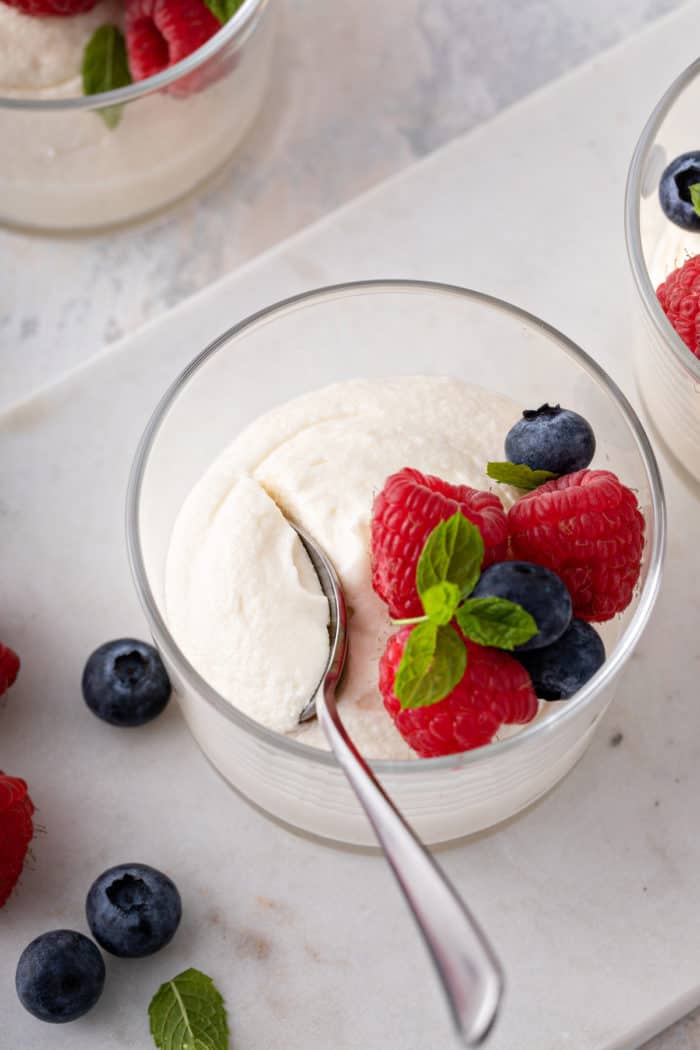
<point x="587" y="527"/>
<point x="405" y="513"/>
<point x="16" y="831"/>
<point x="160" y="33"/>
<point x="52" y="7"/>
<point x="679" y="296"/>
<point x="9" y="666"/>
<point x="495" y="689"/>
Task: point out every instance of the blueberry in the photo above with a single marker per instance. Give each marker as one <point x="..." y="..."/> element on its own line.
<point x="125" y="683"/>
<point x="674" y="191"/>
<point x="60" y="976"/>
<point x="538" y="590"/>
<point x="133" y="910"/>
<point x="558" y="671"/>
<point x="551" y="438"/>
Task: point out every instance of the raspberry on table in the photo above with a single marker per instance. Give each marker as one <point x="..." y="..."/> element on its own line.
<point x="9" y="667"/>
<point x="586" y="527"/>
<point x="160" y="33"/>
<point x="41" y="8"/>
<point x="16" y="831"/>
<point x="495" y="689"/>
<point x="405" y="512"/>
<point x="679" y="296"/>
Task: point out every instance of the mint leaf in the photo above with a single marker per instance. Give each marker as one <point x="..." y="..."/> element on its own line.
<point x="518" y="474"/>
<point x="453" y="553"/>
<point x="105" y="68"/>
<point x="223" y="9"/>
<point x="433" y="662"/>
<point x="496" y="622"/>
<point x="188" y="1013"/>
<point x="441" y="601"/>
<point x="695" y="196"/>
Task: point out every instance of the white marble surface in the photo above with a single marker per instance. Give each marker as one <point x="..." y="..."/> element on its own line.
<point x="361" y="90"/>
<point x="61" y="299"/>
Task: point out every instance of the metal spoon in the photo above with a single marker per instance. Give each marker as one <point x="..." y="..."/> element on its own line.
<point x="466" y="965"/>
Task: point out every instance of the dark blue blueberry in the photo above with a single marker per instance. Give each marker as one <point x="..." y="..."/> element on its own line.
<point x="133" y="910"/>
<point x="538" y="590"/>
<point x="551" y="438"/>
<point x="560" y="670"/>
<point x="60" y="976"/>
<point x="125" y="683"/>
<point x="674" y="191"/>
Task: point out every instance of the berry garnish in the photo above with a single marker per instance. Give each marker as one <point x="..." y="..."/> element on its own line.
<point x="494" y="689"/>
<point x="679" y="296"/>
<point x="537" y="590"/>
<point x="9" y="667"/>
<point x="679" y="191"/>
<point x="160" y="33"/>
<point x="586" y="527"/>
<point x="16" y="831"/>
<point x="551" y="438"/>
<point x="60" y="976"/>
<point x="562" y="668"/>
<point x="407" y="509"/>
<point x="125" y="683"/>
<point x="41" y="8"/>
<point x="133" y="910"/>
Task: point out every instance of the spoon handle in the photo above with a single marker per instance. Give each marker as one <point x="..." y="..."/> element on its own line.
<point x="466" y="965"/>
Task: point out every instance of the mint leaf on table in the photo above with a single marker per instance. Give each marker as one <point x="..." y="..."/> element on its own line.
<point x="694" y="191"/>
<point x="223" y="9"/>
<point x="519" y="475"/>
<point x="453" y="553"/>
<point x="188" y="1013"/>
<point x="433" y="662"/>
<point x="496" y="622"/>
<point x="106" y="68"/>
<point x="440" y="602"/>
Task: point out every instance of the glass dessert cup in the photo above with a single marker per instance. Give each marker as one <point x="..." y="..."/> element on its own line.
<point x="64" y="169"/>
<point x="668" y="374"/>
<point x="376" y="329"/>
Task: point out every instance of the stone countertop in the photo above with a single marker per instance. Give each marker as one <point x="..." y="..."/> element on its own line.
<point x="360" y="91"/>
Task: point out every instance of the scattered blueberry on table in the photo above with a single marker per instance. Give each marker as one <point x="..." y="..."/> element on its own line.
<point x="133" y="910"/>
<point x="125" y="682"/>
<point x="60" y="976"/>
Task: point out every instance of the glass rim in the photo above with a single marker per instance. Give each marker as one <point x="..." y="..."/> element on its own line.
<point x="290" y="745"/>
<point x="633" y="234"/>
<point x="238" y="26"/>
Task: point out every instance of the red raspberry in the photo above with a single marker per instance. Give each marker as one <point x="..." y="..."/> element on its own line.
<point x="405" y="513"/>
<point x="679" y="296"/>
<point x="587" y="527"/>
<point x="9" y="667"/>
<point x="52" y="7"/>
<point x="160" y="33"/>
<point x="495" y="689"/>
<point x="16" y="831"/>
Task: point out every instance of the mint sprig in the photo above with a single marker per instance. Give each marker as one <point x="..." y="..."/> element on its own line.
<point x="519" y="475"/>
<point x="435" y="657"/>
<point x="188" y="1013"/>
<point x="223" y="9"/>
<point x="496" y="621"/>
<point x="432" y="664"/>
<point x="105" y="68"/>
<point x="694" y="191"/>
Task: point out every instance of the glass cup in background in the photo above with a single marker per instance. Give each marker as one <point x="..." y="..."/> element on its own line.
<point x="376" y="329"/>
<point x="668" y="373"/>
<point x="62" y="167"/>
